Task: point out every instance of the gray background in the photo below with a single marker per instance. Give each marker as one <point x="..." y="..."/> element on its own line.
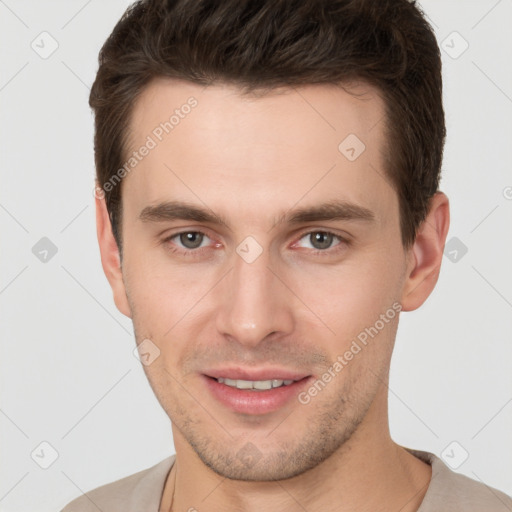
<point x="68" y="374"/>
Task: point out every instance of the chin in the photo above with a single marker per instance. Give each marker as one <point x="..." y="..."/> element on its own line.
<point x="251" y="464"/>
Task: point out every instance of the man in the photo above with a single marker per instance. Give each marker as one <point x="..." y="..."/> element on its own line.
<point x="267" y="205"/>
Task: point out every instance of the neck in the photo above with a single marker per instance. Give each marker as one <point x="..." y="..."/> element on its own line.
<point x="367" y="471"/>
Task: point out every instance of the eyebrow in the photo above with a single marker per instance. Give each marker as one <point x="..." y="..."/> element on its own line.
<point x="331" y="210"/>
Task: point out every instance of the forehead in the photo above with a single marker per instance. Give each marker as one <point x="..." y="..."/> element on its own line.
<point x="330" y="109"/>
<point x="289" y="145"/>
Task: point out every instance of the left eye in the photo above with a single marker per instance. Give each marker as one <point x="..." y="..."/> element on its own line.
<point x="320" y="240"/>
<point x="190" y="239"/>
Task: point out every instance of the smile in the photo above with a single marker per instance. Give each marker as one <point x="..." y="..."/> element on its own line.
<point x="254" y="397"/>
<point x="256" y="385"/>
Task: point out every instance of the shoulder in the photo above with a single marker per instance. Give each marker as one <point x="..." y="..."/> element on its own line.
<point x="141" y="490"/>
<point x="455" y="492"/>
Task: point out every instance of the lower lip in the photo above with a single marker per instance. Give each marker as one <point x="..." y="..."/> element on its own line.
<point x="251" y="401"/>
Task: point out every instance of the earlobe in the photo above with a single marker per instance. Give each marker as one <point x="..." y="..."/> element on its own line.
<point x="110" y="258"/>
<point x="426" y="255"/>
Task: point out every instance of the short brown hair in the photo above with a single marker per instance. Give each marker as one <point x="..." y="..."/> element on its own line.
<point x="265" y="44"/>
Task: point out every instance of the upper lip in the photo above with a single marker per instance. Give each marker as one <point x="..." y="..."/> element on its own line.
<point x="239" y="373"/>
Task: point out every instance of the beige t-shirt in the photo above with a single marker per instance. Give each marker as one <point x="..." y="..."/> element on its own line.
<point x="151" y="490"/>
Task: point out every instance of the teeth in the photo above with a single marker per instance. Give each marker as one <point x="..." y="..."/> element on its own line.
<point x="243" y="384"/>
<point x="260" y="385"/>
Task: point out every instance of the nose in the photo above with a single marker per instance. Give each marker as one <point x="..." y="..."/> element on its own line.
<point x="255" y="302"/>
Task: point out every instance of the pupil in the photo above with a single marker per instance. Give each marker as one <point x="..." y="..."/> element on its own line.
<point x="323" y="238"/>
<point x="191" y="240"/>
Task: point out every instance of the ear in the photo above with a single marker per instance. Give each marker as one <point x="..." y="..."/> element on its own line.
<point x="110" y="258"/>
<point x="426" y="254"/>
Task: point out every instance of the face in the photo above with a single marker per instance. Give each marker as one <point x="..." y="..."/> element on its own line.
<point x="234" y="268"/>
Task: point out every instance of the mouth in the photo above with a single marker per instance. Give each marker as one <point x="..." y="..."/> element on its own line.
<point x="258" y="395"/>
<point x="255" y="385"/>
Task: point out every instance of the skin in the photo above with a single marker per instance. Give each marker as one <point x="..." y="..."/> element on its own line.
<point x="252" y="159"/>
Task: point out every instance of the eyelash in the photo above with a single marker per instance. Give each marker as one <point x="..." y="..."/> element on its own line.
<point x="192" y="253"/>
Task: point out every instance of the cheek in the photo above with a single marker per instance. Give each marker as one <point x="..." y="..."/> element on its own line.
<point x="349" y="297"/>
<point x="168" y="302"/>
<point x="157" y="285"/>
